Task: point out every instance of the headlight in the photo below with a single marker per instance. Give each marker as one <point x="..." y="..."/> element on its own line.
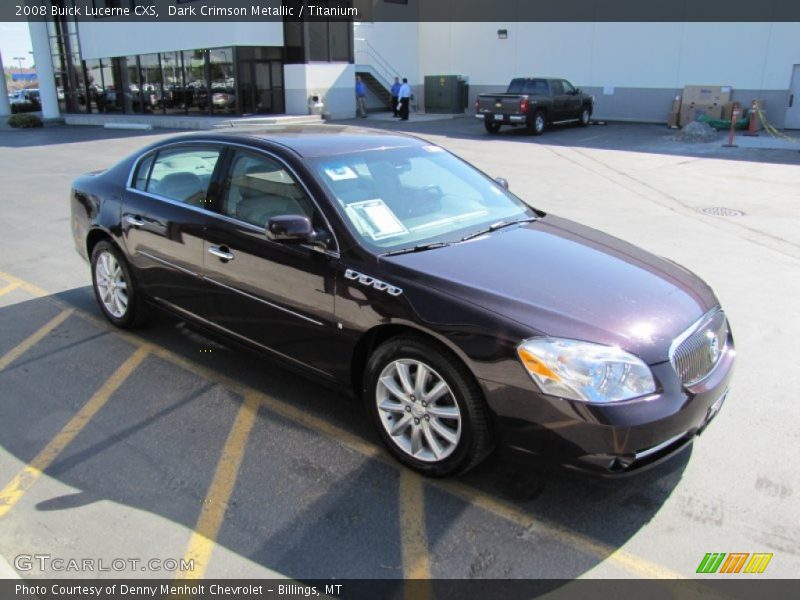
<point x="584" y="371"/>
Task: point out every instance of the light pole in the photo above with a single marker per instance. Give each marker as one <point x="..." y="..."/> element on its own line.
<point x="19" y="59"/>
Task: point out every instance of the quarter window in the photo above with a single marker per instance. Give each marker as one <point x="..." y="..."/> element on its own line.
<point x="259" y="188"/>
<point x="181" y="174"/>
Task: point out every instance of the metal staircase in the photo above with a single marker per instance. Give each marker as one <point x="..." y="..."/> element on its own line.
<point x="377" y="88"/>
<point x="377" y="73"/>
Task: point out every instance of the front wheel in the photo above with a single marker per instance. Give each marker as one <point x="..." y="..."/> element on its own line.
<point x="491" y="127"/>
<point x="115" y="288"/>
<point x="427" y="407"/>
<point x="586" y="117"/>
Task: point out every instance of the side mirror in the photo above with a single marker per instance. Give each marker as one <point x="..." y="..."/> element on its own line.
<point x="578" y="91"/>
<point x="503" y="183"/>
<point x="289" y="228"/>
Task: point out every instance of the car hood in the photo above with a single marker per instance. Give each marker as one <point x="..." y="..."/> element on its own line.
<point x="566" y="280"/>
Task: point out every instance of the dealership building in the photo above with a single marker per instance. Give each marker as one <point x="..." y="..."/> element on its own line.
<point x="633" y="69"/>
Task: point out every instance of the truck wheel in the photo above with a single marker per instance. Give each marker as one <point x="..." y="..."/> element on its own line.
<point x="586" y="117"/>
<point x="491" y="127"/>
<point x="538" y="124"/>
<point x="427" y="407"/>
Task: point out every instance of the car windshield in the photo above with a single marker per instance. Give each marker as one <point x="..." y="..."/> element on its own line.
<point x="404" y="197"/>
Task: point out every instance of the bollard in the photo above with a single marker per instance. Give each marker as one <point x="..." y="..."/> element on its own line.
<point x="751" y="128"/>
<point x="732" y="132"/>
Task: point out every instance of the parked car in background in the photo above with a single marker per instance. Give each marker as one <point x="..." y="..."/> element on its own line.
<point x="25" y="101"/>
<point x="461" y="315"/>
<point x="534" y="103"/>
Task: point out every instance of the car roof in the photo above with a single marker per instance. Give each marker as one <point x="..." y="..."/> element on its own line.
<point x="312" y="141"/>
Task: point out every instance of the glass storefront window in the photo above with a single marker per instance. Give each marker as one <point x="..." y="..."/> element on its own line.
<point x="175" y="98"/>
<point x="195" y="90"/>
<point x="152" y="93"/>
<point x="223" y="83"/>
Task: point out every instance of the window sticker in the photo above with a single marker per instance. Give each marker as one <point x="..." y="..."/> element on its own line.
<point x="376" y="219"/>
<point x="340" y="173"/>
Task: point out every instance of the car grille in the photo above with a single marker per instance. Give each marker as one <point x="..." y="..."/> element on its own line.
<point x="696" y="352"/>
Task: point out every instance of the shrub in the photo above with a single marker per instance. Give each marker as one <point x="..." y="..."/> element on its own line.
<point x="24" y="121"/>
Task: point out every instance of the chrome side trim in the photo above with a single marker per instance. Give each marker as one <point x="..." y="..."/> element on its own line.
<point x="169" y="264"/>
<point x="227" y="331"/>
<point x="129" y="188"/>
<point x="257" y="299"/>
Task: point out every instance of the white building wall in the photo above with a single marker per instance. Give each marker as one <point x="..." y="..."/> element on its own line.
<point x="634" y="69"/>
<point x="333" y="82"/>
<point x="104" y="39"/>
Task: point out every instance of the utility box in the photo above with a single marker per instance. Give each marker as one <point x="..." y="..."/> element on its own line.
<point x="445" y="93"/>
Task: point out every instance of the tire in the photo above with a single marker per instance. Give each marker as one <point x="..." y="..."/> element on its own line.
<point x="585" y="118"/>
<point x="124" y="307"/>
<point x="491" y="127"/>
<point x="448" y="434"/>
<point x="538" y="124"/>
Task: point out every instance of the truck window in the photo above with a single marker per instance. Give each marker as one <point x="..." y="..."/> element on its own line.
<point x="536" y="86"/>
<point x="516" y="86"/>
<point x="568" y="89"/>
<point x="558" y="89"/>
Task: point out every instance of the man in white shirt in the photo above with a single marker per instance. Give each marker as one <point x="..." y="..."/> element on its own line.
<point x="404" y="98"/>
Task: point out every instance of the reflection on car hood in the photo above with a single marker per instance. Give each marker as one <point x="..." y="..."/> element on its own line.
<point x="566" y="280"/>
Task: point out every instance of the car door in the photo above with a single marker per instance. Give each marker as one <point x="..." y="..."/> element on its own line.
<point x="572" y="101"/>
<point x="163" y="219"/>
<point x="559" y="100"/>
<point x="279" y="295"/>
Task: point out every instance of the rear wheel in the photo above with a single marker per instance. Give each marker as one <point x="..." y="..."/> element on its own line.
<point x="491" y="127"/>
<point x="115" y="288"/>
<point x="427" y="407"/>
<point x="538" y="123"/>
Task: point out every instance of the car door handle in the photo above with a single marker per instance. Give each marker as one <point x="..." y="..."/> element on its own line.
<point x="220" y="252"/>
<point x="134" y="221"/>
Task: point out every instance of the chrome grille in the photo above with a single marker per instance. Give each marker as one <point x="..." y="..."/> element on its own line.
<point x="697" y="351"/>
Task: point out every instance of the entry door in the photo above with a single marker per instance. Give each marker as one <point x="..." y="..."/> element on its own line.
<point x="261" y="85"/>
<point x="793" y="111"/>
<point x="277" y="295"/>
<point x="560" y="108"/>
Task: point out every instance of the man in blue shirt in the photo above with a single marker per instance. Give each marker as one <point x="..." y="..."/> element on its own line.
<point x="361" y="98"/>
<point x="404" y="98"/>
<point x="395" y="97"/>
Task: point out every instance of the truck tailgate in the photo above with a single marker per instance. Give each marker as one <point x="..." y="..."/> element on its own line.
<point x="499" y="103"/>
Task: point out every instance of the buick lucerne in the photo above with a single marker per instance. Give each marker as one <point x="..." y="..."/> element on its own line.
<point x="464" y="317"/>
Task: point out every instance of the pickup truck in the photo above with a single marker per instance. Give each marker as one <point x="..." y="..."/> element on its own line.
<point x="534" y="102"/>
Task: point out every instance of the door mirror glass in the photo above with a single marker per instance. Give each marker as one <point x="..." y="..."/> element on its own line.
<point x="503" y="183"/>
<point x="289" y="228"/>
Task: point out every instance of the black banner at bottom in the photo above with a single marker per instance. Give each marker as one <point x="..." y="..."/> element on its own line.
<point x="357" y="589"/>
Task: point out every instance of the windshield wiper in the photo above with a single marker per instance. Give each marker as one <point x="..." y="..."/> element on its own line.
<point x="417" y="248"/>
<point x="496" y="226"/>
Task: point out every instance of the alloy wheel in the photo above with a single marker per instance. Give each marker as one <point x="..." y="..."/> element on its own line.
<point x="418" y="410"/>
<point x="111" y="285"/>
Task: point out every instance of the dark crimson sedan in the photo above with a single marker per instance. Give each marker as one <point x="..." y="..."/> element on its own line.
<point x="463" y="316"/>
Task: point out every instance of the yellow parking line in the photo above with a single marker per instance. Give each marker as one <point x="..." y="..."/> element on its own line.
<point x="414" y="537"/>
<point x="630" y="562"/>
<point x="21" y="483"/>
<point x="34" y="338"/>
<point x="9" y="288"/>
<point x="203" y="539"/>
<point x="33" y="290"/>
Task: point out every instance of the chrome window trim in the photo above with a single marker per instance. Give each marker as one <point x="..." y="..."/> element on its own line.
<point x="267" y="302"/>
<point x="195" y="142"/>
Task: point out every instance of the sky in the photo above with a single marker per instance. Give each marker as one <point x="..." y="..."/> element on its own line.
<point x="15" y="41"/>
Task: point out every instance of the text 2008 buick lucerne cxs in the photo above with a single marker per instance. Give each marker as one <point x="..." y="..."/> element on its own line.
<point x="463" y="316"/>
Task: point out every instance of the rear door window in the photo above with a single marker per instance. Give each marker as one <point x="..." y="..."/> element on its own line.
<point x="181" y="174"/>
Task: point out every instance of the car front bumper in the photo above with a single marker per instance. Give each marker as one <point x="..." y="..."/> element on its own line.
<point x="610" y="439"/>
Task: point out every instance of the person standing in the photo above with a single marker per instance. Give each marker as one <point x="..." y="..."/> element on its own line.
<point x="395" y="97"/>
<point x="404" y="98"/>
<point x="361" y="97"/>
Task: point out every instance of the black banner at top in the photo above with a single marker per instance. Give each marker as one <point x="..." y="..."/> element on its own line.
<point x="503" y="11"/>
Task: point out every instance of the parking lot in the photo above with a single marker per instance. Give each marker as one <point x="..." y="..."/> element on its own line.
<point x="162" y="445"/>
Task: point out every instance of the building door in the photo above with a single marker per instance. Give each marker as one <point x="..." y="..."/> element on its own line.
<point x="793" y="111"/>
<point x="261" y="86"/>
